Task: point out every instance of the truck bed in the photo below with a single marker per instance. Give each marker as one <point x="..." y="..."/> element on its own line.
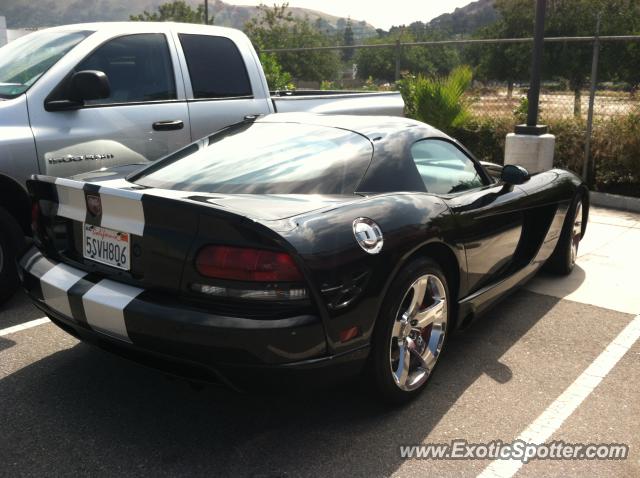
<point x="387" y="103"/>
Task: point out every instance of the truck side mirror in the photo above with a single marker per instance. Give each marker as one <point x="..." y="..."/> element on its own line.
<point x="513" y="174"/>
<point x="82" y="86"/>
<point x="89" y="85"/>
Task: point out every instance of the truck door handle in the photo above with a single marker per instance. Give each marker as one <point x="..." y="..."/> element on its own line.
<point x="168" y="125"/>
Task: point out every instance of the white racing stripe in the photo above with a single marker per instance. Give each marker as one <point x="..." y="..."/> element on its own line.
<point x="103" y="304"/>
<point x="122" y="212"/>
<point x="25" y="326"/>
<point x="121" y="209"/>
<point x="56" y="283"/>
<point x="104" y="307"/>
<point x="554" y="416"/>
<point x="71" y="203"/>
<point x="67" y="183"/>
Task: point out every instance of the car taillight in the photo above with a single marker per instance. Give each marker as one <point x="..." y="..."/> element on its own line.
<point x="244" y="264"/>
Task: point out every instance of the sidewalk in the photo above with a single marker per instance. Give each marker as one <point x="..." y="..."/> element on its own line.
<point x="608" y="266"/>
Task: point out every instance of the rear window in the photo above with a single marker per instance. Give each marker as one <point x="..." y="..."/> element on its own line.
<point x="215" y="66"/>
<point x="268" y="158"/>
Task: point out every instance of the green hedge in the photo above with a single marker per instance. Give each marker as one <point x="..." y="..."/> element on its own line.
<point x="615" y="147"/>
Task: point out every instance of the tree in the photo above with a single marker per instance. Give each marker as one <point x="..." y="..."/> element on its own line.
<point x="571" y="61"/>
<point x="277" y="78"/>
<point x="347" y="40"/>
<point x="579" y="18"/>
<point x="177" y="11"/>
<point x="628" y="62"/>
<point x="503" y="62"/>
<point x="381" y="33"/>
<point x="623" y="60"/>
<point x="379" y="63"/>
<point x="275" y="27"/>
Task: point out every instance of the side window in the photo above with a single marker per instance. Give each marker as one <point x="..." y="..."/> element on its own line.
<point x="444" y="168"/>
<point x="216" y="67"/>
<point x="138" y="67"/>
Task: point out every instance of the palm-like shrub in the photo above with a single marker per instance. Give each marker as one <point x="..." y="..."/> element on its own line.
<point x="438" y="100"/>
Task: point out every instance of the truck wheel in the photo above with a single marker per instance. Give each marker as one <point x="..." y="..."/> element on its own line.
<point x="11" y="244"/>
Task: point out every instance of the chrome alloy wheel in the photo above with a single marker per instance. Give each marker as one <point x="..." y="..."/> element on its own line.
<point x="418" y="332"/>
<point x="576" y="232"/>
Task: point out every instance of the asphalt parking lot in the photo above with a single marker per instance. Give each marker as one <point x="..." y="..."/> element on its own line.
<point x="67" y="408"/>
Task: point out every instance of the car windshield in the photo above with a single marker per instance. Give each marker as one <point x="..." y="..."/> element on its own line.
<point x="25" y="60"/>
<point x="267" y="158"/>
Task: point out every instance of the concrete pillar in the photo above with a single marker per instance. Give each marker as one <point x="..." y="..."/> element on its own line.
<point x="532" y="152"/>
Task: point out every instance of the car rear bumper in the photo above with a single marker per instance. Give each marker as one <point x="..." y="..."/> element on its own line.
<point x="180" y="339"/>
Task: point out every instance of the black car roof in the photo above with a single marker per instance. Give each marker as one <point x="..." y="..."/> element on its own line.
<point x="391" y="167"/>
<point x="373" y="127"/>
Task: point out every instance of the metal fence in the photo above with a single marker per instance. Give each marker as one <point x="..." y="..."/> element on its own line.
<point x="610" y="102"/>
<point x="588" y="91"/>
<point x="495" y="98"/>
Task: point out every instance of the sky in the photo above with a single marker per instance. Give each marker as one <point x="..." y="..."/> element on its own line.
<point x="379" y="13"/>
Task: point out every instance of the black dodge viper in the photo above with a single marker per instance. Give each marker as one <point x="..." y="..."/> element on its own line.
<point x="296" y="246"/>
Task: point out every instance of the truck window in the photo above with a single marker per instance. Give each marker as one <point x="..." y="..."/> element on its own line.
<point x="216" y="67"/>
<point x="138" y="67"/>
<point x="24" y="61"/>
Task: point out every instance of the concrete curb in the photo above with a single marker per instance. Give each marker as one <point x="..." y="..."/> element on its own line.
<point x="613" y="201"/>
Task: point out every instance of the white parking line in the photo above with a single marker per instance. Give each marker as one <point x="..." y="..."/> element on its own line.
<point x="25" y="326"/>
<point x="552" y="418"/>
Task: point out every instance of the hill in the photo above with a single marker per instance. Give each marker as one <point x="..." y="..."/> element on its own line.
<point x="465" y="20"/>
<point x="41" y="13"/>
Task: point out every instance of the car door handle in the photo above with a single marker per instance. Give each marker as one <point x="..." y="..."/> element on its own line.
<point x="168" y="125"/>
<point x="252" y="117"/>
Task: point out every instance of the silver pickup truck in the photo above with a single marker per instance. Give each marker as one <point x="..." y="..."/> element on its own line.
<point x="81" y="97"/>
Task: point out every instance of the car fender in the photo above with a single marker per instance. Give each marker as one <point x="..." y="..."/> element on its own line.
<point x="326" y="243"/>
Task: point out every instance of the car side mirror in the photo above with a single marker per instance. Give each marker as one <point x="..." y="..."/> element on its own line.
<point x="494" y="170"/>
<point x="89" y="85"/>
<point x="513" y="174"/>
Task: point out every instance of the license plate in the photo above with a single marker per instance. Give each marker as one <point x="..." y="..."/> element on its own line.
<point x="107" y="246"/>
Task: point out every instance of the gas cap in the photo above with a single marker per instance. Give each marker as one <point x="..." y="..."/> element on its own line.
<point x="368" y="235"/>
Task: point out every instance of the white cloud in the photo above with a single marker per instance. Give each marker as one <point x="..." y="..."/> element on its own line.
<point x="381" y="14"/>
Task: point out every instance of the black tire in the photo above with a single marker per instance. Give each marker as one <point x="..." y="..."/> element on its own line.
<point x="563" y="259"/>
<point x="11" y="244"/>
<point x="381" y="363"/>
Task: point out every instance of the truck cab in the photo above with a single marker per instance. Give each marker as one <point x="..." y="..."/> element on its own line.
<point x="167" y="87"/>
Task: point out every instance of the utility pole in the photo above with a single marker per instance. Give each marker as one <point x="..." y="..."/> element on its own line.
<point x="206" y="12"/>
<point x="587" y="167"/>
<point x="398" y="53"/>
<point x="531" y="146"/>
<point x="532" y="126"/>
